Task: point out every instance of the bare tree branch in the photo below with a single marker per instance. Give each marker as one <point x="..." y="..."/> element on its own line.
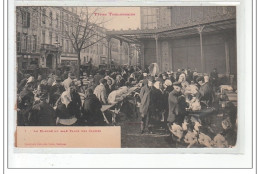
<point x="93" y="43"/>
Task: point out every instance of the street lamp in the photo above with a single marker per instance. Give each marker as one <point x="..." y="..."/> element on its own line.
<point x="57" y="46"/>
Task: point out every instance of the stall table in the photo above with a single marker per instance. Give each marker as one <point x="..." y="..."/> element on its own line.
<point x="116" y="106"/>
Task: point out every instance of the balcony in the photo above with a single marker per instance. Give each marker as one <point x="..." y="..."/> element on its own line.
<point x="50" y="47"/>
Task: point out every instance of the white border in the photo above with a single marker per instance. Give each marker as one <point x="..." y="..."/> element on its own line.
<point x="28" y="158"/>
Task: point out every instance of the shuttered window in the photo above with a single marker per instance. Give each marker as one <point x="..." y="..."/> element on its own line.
<point x="18" y="42"/>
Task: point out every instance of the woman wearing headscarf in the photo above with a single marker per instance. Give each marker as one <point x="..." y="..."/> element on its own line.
<point x="182" y="80"/>
<point x="92" y="114"/>
<point x="100" y="91"/>
<point x="131" y="80"/>
<point x="68" y="109"/>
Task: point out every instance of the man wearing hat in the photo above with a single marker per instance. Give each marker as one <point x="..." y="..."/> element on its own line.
<point x="171" y="77"/>
<point x="146" y="104"/>
<point x="176" y="105"/>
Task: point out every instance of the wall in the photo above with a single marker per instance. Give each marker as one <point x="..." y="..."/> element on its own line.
<point x="186" y="53"/>
<point x="149" y="52"/>
<point x="181" y="15"/>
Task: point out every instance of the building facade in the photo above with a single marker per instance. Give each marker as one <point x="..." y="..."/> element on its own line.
<point x="42" y="38"/>
<point x="96" y="53"/>
<point x="201" y="38"/>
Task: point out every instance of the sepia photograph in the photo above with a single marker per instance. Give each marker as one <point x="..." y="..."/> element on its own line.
<point x="161" y="76"/>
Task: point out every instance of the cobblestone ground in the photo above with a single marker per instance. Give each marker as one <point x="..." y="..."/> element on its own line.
<point x="131" y="136"/>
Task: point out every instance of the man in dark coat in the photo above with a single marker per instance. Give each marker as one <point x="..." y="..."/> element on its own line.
<point x="92" y="110"/>
<point x="176" y="105"/>
<point x="75" y="102"/>
<point x="146" y="104"/>
<point x="167" y="89"/>
<point x="42" y="114"/>
<point x="214" y="79"/>
<point x="156" y="103"/>
<point x="189" y="76"/>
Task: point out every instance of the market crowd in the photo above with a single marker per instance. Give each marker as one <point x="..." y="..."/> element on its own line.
<point x="67" y="100"/>
<point x="164" y="99"/>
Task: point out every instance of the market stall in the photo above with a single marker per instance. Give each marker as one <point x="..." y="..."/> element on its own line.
<point x="209" y="126"/>
<point x="116" y="99"/>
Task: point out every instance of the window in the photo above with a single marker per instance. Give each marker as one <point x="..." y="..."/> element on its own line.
<point x="18" y="42"/>
<point x="71" y="29"/>
<point x="70" y="48"/>
<point x="57" y="20"/>
<point x="225" y="10"/>
<point x="43" y="37"/>
<point x="62" y="44"/>
<point x="62" y="16"/>
<point x="44" y="16"/>
<point x="144" y="10"/>
<point x="57" y="38"/>
<point x="24" y="42"/>
<point x="50" y="18"/>
<point x="50" y="37"/>
<point x="101" y="49"/>
<point x="67" y="27"/>
<point x="29" y="46"/>
<point x="34" y="46"/>
<point x="26" y="19"/>
<point x="63" y="27"/>
<point x="67" y="46"/>
<point x="149" y="19"/>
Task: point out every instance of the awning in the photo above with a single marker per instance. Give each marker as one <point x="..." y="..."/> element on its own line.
<point x="134" y="36"/>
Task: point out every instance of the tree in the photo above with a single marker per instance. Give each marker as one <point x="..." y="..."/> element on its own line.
<point x="86" y="31"/>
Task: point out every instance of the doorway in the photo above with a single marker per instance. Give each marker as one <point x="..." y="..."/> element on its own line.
<point x="49" y="61"/>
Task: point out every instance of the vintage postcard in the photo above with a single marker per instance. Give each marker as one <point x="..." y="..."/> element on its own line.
<point x="126" y="77"/>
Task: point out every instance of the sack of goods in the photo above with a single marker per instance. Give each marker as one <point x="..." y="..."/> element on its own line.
<point x="194" y="104"/>
<point x="117" y="95"/>
<point x="191" y="89"/>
